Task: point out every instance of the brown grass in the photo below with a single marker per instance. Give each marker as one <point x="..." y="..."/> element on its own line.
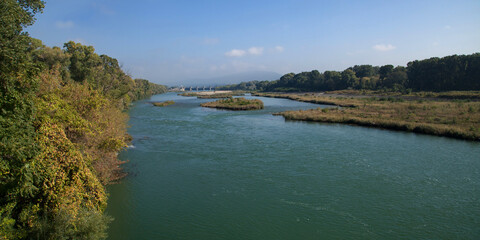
<point x="163" y="104"/>
<point x="470" y="95"/>
<point x="235" y="104"/>
<point x="457" y="119"/>
<point x="346" y="102"/>
<point x="451" y="95"/>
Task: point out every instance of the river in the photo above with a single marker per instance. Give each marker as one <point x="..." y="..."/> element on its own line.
<point x="200" y="173"/>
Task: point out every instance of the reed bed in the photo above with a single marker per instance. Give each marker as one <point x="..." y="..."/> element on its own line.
<point x="238" y="104"/>
<point x="341" y="102"/>
<point x="451" y="118"/>
<point x="163" y="104"/>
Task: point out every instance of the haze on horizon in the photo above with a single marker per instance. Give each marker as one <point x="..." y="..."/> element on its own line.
<point x="183" y="42"/>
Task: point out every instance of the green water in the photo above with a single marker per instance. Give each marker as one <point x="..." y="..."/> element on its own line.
<point x="199" y="173"/>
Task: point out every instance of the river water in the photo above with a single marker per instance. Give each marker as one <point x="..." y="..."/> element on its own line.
<point x="200" y="173"/>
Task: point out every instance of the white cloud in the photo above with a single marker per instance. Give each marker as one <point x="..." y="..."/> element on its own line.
<point x="384" y="47"/>
<point x="64" y="24"/>
<point x="255" y="50"/>
<point x="240" y="52"/>
<point x="279" y="49"/>
<point x="448" y="27"/>
<point x="235" y="53"/>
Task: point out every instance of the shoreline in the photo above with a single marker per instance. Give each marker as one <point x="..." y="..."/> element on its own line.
<point x="448" y="118"/>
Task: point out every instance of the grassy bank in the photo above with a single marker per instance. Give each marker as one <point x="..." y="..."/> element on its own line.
<point x="235" y="104"/>
<point x="449" y="95"/>
<point x="163" y="104"/>
<point x="341" y="102"/>
<point x="442" y="117"/>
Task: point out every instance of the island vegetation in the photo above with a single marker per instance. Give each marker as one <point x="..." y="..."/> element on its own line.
<point x="238" y="104"/>
<point x="429" y="115"/>
<point x="163" y="104"/>
<point x="62" y="123"/>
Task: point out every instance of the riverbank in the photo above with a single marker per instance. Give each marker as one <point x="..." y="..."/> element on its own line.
<point x="441" y="117"/>
<point x="237" y="104"/>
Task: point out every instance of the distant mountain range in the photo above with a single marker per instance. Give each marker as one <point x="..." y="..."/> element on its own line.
<point x="233" y="79"/>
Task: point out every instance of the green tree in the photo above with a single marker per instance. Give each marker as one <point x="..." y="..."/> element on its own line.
<point x="315" y="79"/>
<point x="364" y="70"/>
<point x="53" y="58"/>
<point x="331" y="78"/>
<point x="83" y="61"/>
<point x="384" y="71"/>
<point x="349" y="79"/>
<point x="396" y="79"/>
<point x="456" y="72"/>
<point x="286" y="79"/>
<point x="17" y="133"/>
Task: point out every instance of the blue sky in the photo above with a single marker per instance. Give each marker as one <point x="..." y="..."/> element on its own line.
<point x="174" y="42"/>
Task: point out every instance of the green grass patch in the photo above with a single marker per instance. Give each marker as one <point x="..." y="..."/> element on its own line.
<point x="235" y="104"/>
<point x="163" y="104"/>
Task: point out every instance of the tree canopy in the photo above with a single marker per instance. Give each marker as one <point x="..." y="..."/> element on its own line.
<point x="456" y="72"/>
<point x="61" y="126"/>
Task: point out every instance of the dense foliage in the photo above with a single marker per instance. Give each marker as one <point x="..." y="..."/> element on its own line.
<point x="61" y="126"/>
<point x="445" y="74"/>
<point x="457" y="72"/>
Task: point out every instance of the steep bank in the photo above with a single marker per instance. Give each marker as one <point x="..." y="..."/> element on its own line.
<point x="62" y="123"/>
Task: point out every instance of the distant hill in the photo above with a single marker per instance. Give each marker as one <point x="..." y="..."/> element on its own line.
<point x="234" y="78"/>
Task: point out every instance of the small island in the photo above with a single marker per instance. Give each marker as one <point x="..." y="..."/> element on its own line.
<point x="163" y="104"/>
<point x="237" y="104"/>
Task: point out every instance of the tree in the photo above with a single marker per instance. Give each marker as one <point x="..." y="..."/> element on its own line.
<point x="384" y="71"/>
<point x="331" y="78"/>
<point x="286" y="79"/>
<point x="349" y="79"/>
<point x="315" y="79"/>
<point x="82" y="61"/>
<point x="301" y="81"/>
<point x="17" y="132"/>
<point x="364" y="70"/>
<point x="456" y="72"/>
<point x="396" y="79"/>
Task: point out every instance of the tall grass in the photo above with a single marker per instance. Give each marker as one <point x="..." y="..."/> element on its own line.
<point x="163" y="104"/>
<point x="235" y="104"/>
<point x="457" y="119"/>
